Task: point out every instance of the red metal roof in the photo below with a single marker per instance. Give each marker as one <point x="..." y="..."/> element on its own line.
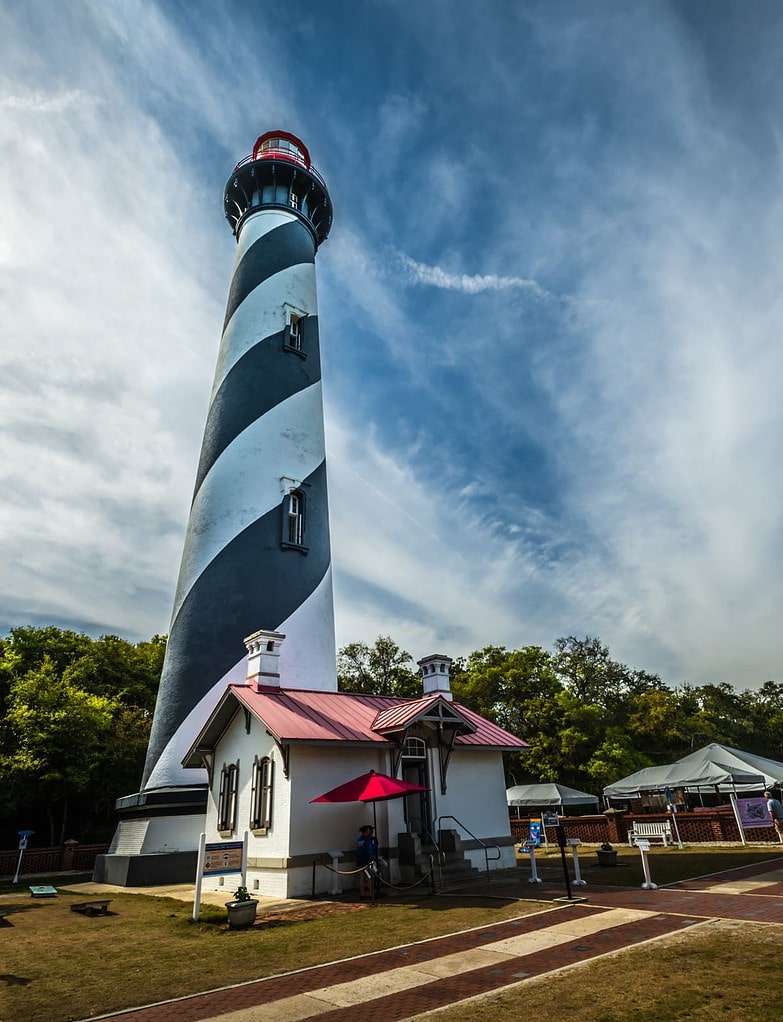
<point x="301" y="715"/>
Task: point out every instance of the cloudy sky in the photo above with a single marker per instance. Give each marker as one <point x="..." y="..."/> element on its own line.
<point x="550" y="311"/>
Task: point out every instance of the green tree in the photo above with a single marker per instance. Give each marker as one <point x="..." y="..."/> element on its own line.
<point x="57" y="736"/>
<point x="109" y="674"/>
<point x="615" y="757"/>
<point x="506" y="686"/>
<point x="382" y="669"/>
<point x="586" y="669"/>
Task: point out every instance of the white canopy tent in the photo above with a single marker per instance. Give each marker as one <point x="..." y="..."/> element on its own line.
<point x="542" y="796"/>
<point x="714" y="766"/>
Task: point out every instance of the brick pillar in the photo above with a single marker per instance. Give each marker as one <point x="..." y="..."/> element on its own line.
<point x="66" y="854"/>
<point x="616" y="827"/>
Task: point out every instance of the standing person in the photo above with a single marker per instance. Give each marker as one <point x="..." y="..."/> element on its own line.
<point x="775" y="810"/>
<point x="366" y="854"/>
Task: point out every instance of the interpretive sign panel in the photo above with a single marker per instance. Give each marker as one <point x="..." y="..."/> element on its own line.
<point x="225" y="857"/>
<point x="753" y="813"/>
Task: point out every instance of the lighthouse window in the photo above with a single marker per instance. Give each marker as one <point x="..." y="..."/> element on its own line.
<point x="227" y="799"/>
<point x="294" y="520"/>
<point x="261" y="795"/>
<point x="294" y="335"/>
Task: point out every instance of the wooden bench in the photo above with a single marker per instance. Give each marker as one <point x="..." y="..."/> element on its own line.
<point x="91" y="908"/>
<point x="658" y="831"/>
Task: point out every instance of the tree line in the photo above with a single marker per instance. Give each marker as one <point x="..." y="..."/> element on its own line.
<point x="588" y="718"/>
<point x="75" y="717"/>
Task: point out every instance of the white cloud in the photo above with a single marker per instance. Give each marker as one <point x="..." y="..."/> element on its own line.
<point x="420" y="273"/>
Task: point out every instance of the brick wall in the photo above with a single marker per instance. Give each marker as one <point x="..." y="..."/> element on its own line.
<point x="698" y="827"/>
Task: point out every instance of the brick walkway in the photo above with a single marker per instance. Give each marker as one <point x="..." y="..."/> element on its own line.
<point x="399" y="984"/>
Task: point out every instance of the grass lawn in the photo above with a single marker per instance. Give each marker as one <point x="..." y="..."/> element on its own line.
<point x="59" y="965"/>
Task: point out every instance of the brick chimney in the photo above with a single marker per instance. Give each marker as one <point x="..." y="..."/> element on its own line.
<point x="435" y="675"/>
<point x="263" y="656"/>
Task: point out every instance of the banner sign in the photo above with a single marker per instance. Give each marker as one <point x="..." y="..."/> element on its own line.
<point x="753" y="813"/>
<point x="225" y="857"/>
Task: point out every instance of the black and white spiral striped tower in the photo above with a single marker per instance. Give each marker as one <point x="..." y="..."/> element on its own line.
<point x="257" y="552"/>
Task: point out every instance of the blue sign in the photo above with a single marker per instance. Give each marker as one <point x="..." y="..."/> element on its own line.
<point x="535" y="831"/>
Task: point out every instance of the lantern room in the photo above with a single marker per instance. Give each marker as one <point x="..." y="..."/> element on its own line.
<point x="279" y="175"/>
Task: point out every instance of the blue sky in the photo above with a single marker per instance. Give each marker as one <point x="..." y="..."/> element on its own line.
<point x="550" y="311"/>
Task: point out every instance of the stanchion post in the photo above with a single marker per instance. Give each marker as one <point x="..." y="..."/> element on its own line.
<point x="574" y="843"/>
<point x="644" y="848"/>
<point x="530" y="848"/>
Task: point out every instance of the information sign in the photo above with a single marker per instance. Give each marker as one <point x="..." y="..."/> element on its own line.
<point x="753" y="813"/>
<point x="225" y="857"/>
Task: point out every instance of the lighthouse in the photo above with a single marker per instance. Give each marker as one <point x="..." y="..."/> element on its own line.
<point x="257" y="552"/>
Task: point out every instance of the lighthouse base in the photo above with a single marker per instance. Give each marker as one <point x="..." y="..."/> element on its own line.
<point x="156" y="841"/>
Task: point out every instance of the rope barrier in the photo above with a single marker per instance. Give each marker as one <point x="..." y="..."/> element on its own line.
<point x="376" y="875"/>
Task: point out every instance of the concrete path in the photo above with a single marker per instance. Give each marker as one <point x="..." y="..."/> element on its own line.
<point x="404" y="982"/>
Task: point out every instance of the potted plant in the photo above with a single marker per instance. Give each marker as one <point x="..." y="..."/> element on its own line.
<point x="607" y="856"/>
<point x="242" y="910"/>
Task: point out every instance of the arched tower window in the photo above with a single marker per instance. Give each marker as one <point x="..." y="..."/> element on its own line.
<point x="293" y="535"/>
<point x="295" y="333"/>
<point x="295" y="518"/>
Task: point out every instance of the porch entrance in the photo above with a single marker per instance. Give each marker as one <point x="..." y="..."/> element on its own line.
<point x="418" y="811"/>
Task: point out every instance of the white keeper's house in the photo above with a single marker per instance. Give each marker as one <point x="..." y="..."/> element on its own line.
<point x="269" y="750"/>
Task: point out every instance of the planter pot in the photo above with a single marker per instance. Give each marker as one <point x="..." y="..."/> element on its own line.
<point x="606" y="858"/>
<point x="241" y="914"/>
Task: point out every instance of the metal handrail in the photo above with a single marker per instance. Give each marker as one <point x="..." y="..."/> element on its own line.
<point x="282" y="158"/>
<point x="440" y="858"/>
<point x="483" y="844"/>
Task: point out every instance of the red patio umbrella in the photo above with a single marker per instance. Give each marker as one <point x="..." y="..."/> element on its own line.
<point x="370" y="787"/>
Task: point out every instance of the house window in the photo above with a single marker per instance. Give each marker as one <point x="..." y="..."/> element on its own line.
<point x="227" y="800"/>
<point x="261" y="795"/>
<point x="294" y="520"/>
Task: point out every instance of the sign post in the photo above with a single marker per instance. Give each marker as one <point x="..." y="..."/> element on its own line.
<point x="530" y="848"/>
<point x="561" y="840"/>
<point x="644" y="848"/>
<point x="218" y="859"/>
<point x="23" y="836"/>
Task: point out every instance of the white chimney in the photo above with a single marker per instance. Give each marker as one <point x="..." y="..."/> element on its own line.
<point x="435" y="675"/>
<point x="263" y="655"/>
